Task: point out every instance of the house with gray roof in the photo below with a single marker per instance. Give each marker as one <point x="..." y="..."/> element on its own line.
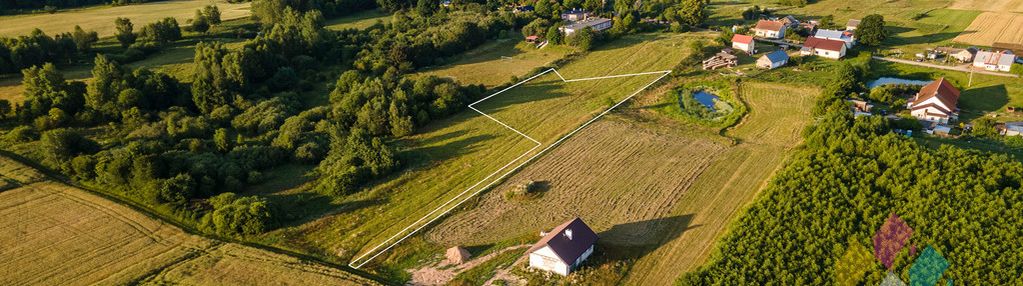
<point x="773" y="60"/>
<point x="564" y="248"/>
<point x="597" y="24"/>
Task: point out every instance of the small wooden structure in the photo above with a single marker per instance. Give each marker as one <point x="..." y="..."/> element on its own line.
<point x="457" y="255"/>
<point x="720" y="60"/>
<point x="532" y="39"/>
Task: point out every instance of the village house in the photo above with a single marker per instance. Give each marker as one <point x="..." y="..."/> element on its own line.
<point x="773" y="60"/>
<point x="597" y="24"/>
<point x="743" y="43"/>
<point x="961" y="55"/>
<point x="575" y="15"/>
<point x="533" y="39"/>
<point x="844" y="36"/>
<point x="994" y="61"/>
<point x="860" y="107"/>
<point x="852" y="24"/>
<point x="1010" y="128"/>
<point x="770" y="29"/>
<point x="789" y="21"/>
<point x="810" y="26"/>
<point x="936" y="102"/>
<point x="826" y="48"/>
<point x="564" y="248"/>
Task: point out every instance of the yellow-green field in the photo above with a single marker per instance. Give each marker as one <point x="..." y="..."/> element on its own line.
<point x="56" y="234"/>
<point x="989" y="5"/>
<point x="451" y="155"/>
<point x="658" y="192"/>
<point x="101" y="18"/>
<point x="359" y="20"/>
<point x="994" y="29"/>
<point x="497" y="62"/>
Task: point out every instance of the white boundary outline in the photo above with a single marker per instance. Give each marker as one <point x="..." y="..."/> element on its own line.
<point x="356" y="265"/>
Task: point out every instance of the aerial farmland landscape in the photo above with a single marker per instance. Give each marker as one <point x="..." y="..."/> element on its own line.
<point x="511" y="142"/>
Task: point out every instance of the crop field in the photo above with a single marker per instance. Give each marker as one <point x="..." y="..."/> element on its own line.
<point x="994" y="29"/>
<point x="658" y="194"/>
<point x="101" y="18"/>
<point x="453" y="154"/>
<point x="497" y="62"/>
<point x="359" y="20"/>
<point x="57" y="234"/>
<point x="988" y="5"/>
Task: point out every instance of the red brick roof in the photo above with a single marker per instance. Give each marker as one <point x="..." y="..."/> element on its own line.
<point x="742" y="39"/>
<point x="823" y="44"/>
<point x="942" y="89"/>
<point x="769" y="25"/>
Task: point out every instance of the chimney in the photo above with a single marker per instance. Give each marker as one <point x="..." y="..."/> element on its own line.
<point x="543" y="233"/>
<point x="568" y="234"/>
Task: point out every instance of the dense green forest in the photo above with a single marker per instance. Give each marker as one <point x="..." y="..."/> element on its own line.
<point x="853" y="174"/>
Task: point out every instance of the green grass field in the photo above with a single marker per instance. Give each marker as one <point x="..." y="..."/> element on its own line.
<point x="450" y="155"/>
<point x="101" y="18"/>
<point x="988" y="96"/>
<point x="497" y="62"/>
<point x="360" y="20"/>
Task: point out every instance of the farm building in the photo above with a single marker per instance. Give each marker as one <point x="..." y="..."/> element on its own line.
<point x="575" y="15"/>
<point x="743" y="43"/>
<point x="773" y="60"/>
<point x="852" y="24"/>
<point x="994" y="61"/>
<point x="961" y="55"/>
<point x="860" y="107"/>
<point x="831" y="49"/>
<point x="532" y="39"/>
<point x="770" y="29"/>
<point x="936" y="102"/>
<point x="789" y="21"/>
<point x="810" y="26"/>
<point x="722" y="59"/>
<point x="844" y="36"/>
<point x="597" y="24"/>
<point x="564" y="248"/>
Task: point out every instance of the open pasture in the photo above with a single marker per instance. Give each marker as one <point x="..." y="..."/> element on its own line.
<point x="658" y="193"/>
<point x="988" y="5"/>
<point x="498" y="61"/>
<point x="360" y="20"/>
<point x="994" y="29"/>
<point x="101" y="18"/>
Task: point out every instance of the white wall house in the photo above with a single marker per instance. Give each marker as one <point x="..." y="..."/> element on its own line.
<point x="773" y="60"/>
<point x="743" y="43"/>
<point x="994" y="61"/>
<point x="831" y="49"/>
<point x="770" y="29"/>
<point x="597" y="24"/>
<point x="844" y="36"/>
<point x="936" y="102"/>
<point x="564" y="248"/>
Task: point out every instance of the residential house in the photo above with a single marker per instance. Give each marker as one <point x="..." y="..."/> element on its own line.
<point x="831" y="49"/>
<point x="860" y="107"/>
<point x="773" y="60"/>
<point x="770" y="29"/>
<point x="1011" y="128"/>
<point x="743" y="43"/>
<point x="936" y="102"/>
<point x="844" y="36"/>
<point x="994" y="61"/>
<point x="575" y="15"/>
<point x="597" y="24"/>
<point x="961" y="55"/>
<point x="810" y="26"/>
<point x="789" y="21"/>
<point x="852" y="24"/>
<point x="564" y="248"/>
<point x="532" y="39"/>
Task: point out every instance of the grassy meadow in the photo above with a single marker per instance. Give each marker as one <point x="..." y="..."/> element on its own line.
<point x="57" y="233"/>
<point x="451" y="155"/>
<point x="496" y="62"/>
<point x="101" y="18"/>
<point x="360" y="20"/>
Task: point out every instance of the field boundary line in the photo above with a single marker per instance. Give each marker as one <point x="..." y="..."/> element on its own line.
<point x="356" y="263"/>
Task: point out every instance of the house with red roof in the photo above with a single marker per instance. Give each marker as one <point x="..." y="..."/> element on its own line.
<point x="770" y="29"/>
<point x="564" y="248"/>
<point x="743" y="43"/>
<point x="936" y="102"/>
<point x="831" y="49"/>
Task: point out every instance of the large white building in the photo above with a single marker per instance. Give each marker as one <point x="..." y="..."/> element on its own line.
<point x="597" y="24"/>
<point x="994" y="61"/>
<point x="936" y="102"/>
<point x="564" y="248"/>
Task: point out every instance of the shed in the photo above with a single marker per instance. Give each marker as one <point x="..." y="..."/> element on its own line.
<point x="773" y="60"/>
<point x="457" y="255"/>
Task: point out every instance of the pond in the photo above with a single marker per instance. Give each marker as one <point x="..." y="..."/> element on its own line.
<point x="705" y="98"/>
<point x="895" y="80"/>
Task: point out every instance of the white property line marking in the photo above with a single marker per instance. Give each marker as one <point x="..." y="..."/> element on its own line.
<point x="356" y="265"/>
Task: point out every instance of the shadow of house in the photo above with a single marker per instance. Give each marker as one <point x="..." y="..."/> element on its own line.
<point x="636" y="239"/>
<point x="975" y="102"/>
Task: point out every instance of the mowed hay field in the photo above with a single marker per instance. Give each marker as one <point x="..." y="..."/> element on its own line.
<point x="101" y="18"/>
<point x="988" y="5"/>
<point x="497" y="62"/>
<point x="658" y="193"/>
<point x="993" y="29"/>
<point x="54" y="234"/>
<point x="451" y="155"/>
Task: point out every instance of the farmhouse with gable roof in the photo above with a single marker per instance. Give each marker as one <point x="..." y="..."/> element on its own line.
<point x="743" y="43"/>
<point x="770" y="29"/>
<point x="936" y="102"/>
<point x="564" y="248"/>
<point x="831" y="49"/>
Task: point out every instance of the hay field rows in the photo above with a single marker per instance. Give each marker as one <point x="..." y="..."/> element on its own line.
<point x="450" y="155"/>
<point x="988" y="5"/>
<point x="101" y="18"/>
<point x="656" y="193"/>
<point x="497" y="62"/>
<point x="992" y="28"/>
<point x="54" y="234"/>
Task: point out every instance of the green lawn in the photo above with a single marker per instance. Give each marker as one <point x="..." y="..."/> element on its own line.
<point x="498" y="61"/>
<point x="359" y="20"/>
<point x="101" y="18"/>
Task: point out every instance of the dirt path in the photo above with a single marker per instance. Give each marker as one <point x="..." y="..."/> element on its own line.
<point x="442" y="272"/>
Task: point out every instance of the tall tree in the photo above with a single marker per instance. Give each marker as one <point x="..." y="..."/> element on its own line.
<point x="871" y="31"/>
<point x="692" y="12"/>
<point x="84" y="40"/>
<point x="125" y="35"/>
